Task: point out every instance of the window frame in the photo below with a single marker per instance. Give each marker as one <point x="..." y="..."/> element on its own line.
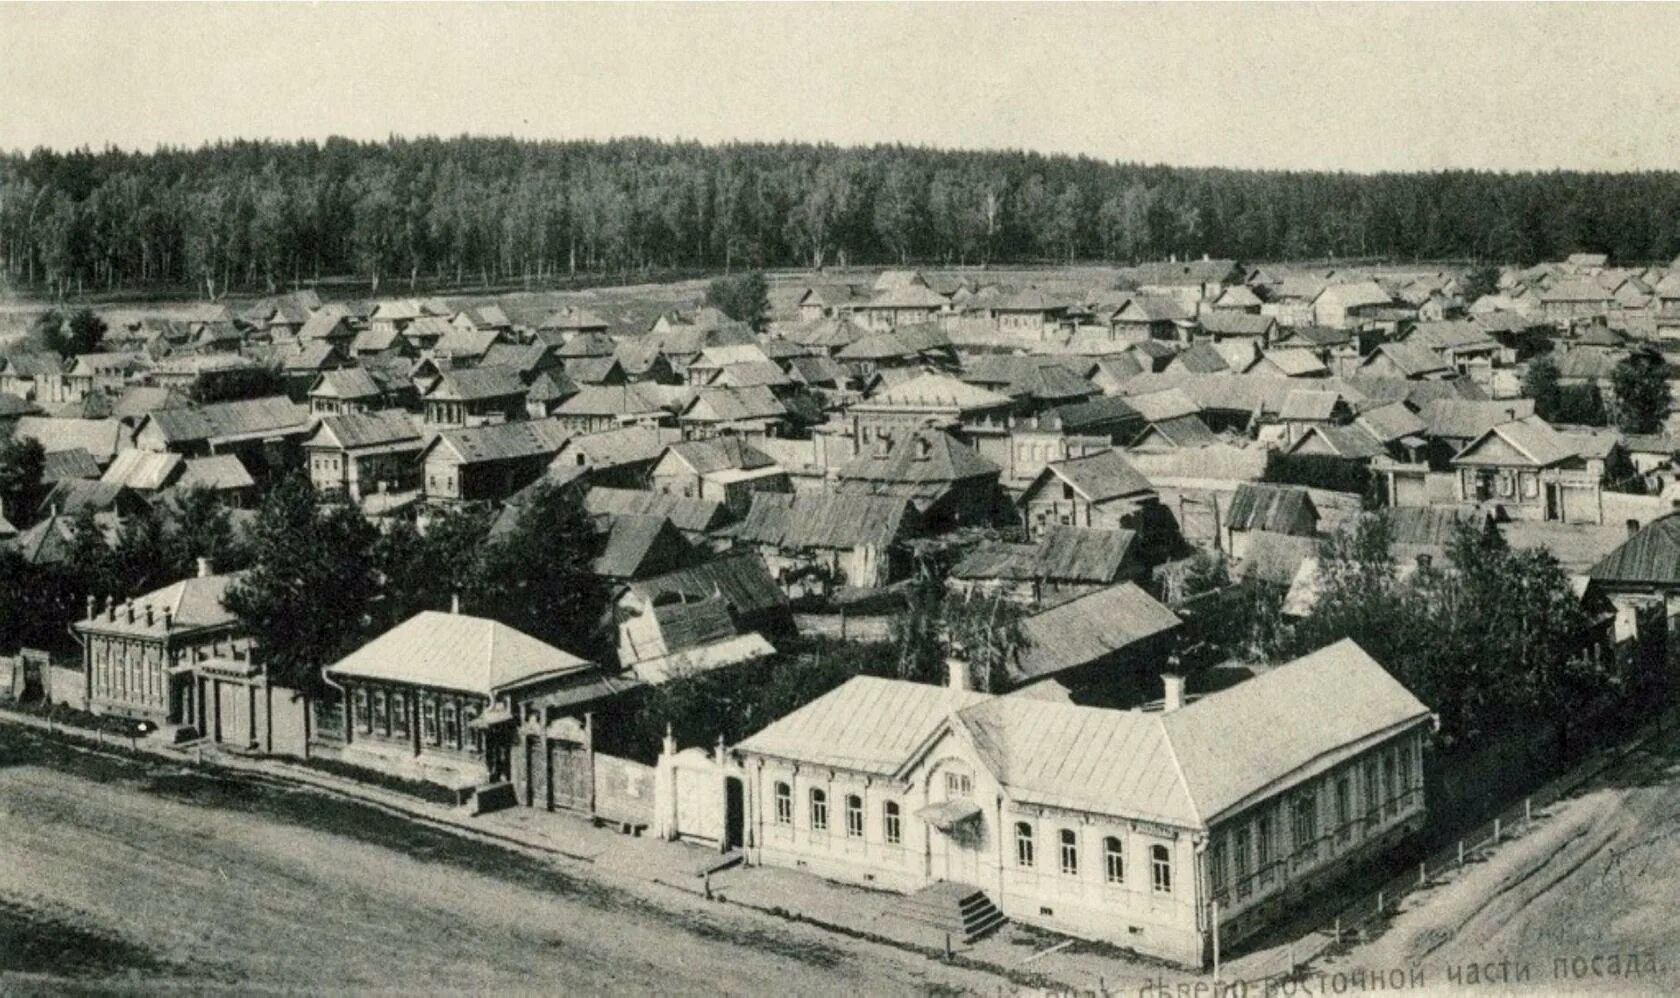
<point x="892" y="823"/>
<point x="1067" y="852"/>
<point x="817" y="809"/>
<point x="1160" y="869"/>
<point x="1025" y="847"/>
<point x="854" y="816"/>
<point x="1114" y="860"/>
<point x="781" y="796"/>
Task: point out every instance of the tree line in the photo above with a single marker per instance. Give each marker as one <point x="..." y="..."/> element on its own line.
<point x="258" y="215"/>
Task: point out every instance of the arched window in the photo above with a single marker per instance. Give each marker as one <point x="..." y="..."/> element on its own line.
<point x="1069" y="852"/>
<point x="1023" y="845"/>
<point x="894" y="825"/>
<point x="784" y="804"/>
<point x="381" y="719"/>
<point x="854" y="816"/>
<point x="1114" y="860"/>
<point x="1160" y="868"/>
<point x="819" y="810"/>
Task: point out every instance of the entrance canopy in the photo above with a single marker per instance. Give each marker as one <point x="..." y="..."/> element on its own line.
<point x="950" y="814"/>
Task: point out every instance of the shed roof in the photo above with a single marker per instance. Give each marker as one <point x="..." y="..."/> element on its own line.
<point x="823" y="520"/>
<point x="1280" y="509"/>
<point x="1101" y="476"/>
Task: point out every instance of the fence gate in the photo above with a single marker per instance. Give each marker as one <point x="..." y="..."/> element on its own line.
<point x="568" y="775"/>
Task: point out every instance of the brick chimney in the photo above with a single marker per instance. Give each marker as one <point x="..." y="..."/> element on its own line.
<point x="1172" y="697"/>
<point x="204" y="571"/>
<point x="149" y="618"/>
<point x="956" y="673"/>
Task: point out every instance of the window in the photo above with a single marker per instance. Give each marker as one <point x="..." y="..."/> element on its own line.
<point x="1067" y="492"/>
<point x="1069" y="853"/>
<point x="1405" y="752"/>
<point x="1263" y="849"/>
<point x="894" y="825"/>
<point x="1371" y="795"/>
<point x="784" y="804"/>
<point x="399" y="715"/>
<point x="958" y="785"/>
<point x="1306" y="824"/>
<point x="451" y="727"/>
<point x="475" y="737"/>
<point x="1391" y="803"/>
<point x="364" y="719"/>
<point x="819" y="810"/>
<point x="1239" y="861"/>
<point x="1023" y="845"/>
<point x="1114" y="860"/>
<point x="1216" y="868"/>
<point x="380" y="716"/>
<point x="1160" y="869"/>
<point x="1344" y="808"/>
<point x="854" y="816"/>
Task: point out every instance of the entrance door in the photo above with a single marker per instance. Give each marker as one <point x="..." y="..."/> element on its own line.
<point x="568" y="775"/>
<point x="734" y="813"/>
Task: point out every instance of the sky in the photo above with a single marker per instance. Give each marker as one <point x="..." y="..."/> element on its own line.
<point x="1362" y="87"/>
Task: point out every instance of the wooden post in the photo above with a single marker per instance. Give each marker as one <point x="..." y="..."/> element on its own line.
<point x="947" y="946"/>
<point x="1215" y="920"/>
<point x="1528" y="811"/>
<point x="1423" y="873"/>
<point x="1379" y="902"/>
<point x="1460" y="852"/>
<point x="1496" y="831"/>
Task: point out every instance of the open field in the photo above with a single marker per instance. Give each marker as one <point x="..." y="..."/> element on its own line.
<point x="120" y="873"/>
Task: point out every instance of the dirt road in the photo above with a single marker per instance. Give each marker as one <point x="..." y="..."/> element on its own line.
<point x="1598" y="877"/>
<point x="126" y="876"/>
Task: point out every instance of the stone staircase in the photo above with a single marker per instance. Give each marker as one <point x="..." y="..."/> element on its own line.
<point x="963" y="911"/>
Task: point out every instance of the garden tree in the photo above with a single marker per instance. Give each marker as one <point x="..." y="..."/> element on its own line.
<point x="428" y="571"/>
<point x="1177" y="583"/>
<point x="917" y="638"/>
<point x="1580" y="405"/>
<point x="140" y="555"/>
<point x="22" y="460"/>
<point x="47" y="330"/>
<point x="40" y="603"/>
<point x="1640" y="382"/>
<point x="258" y="381"/>
<point x="899" y="209"/>
<point x="199" y="525"/>
<point x="83" y="334"/>
<point x="1478" y="282"/>
<point x="743" y="297"/>
<point x="1321" y="471"/>
<point x="538" y="577"/>
<point x="986" y="632"/>
<point x="88" y="567"/>
<point x="307" y="598"/>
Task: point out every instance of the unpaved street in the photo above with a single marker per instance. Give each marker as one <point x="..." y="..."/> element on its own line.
<point x="1598" y="877"/>
<point x="133" y="874"/>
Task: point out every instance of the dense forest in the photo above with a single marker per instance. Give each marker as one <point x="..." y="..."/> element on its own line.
<point x="261" y="215"/>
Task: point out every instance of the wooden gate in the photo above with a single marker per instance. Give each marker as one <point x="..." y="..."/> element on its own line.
<point x="569" y="776"/>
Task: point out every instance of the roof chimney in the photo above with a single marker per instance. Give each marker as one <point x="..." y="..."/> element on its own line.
<point x="168" y="618"/>
<point x="956" y="673"/>
<point x="110" y="609"/>
<point x="130" y="605"/>
<point x="1632" y="527"/>
<point x="1172" y="697"/>
<point x="149" y="618"/>
<point x="455" y="601"/>
<point x="90" y="606"/>
<point x="204" y="568"/>
<point x="1510" y="415"/>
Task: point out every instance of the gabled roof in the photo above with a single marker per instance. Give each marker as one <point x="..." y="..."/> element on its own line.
<point x="360" y="430"/>
<point x="1089" y="628"/>
<point x="827" y="334"/>
<point x="1179" y="273"/>
<point x="623" y="445"/>
<point x="1307" y="404"/>
<point x="1351" y="442"/>
<point x="457" y="652"/>
<point x="1577" y="290"/>
<point x="867" y="725"/>
<point x="1650" y="557"/>
<point x="1295" y="363"/>
<point x="63" y="464"/>
<point x="326" y="325"/>
<point x="458" y="342"/>
<point x="686" y="514"/>
<point x="733" y="404"/>
<point x="925" y="456"/>
<point x="247" y="417"/>
<point x="573" y="318"/>
<point x="100" y="437"/>
<point x="502" y="441"/>
<point x="632" y="542"/>
<point x="939" y="390"/>
<point x="1391" y="422"/>
<point x="917" y="296"/>
<point x="1409" y="358"/>
<point x="822" y="520"/>
<point x="217" y="472"/>
<point x="1277" y="509"/>
<point x="1062" y="554"/>
<point x="1531" y="436"/>
<point x="587" y="345"/>
<point x="1099" y="477"/>
<point x="345" y="383"/>
<point x="142" y="470"/>
<point x="720" y="453"/>
<point x="741" y="578"/>
<point x="1230" y="322"/>
<point x="1452" y="335"/>
<point x="1463" y="419"/>
<point x="1355" y="294"/>
<point x="477" y="384"/>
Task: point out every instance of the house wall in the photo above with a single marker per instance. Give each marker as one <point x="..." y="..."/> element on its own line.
<point x="415" y="733"/>
<point x="1058" y="505"/>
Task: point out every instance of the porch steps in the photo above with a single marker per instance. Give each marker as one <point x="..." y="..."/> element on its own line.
<point x="963" y="911"/>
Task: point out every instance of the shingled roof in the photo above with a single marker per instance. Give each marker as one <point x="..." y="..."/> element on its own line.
<point x="1651" y="557"/>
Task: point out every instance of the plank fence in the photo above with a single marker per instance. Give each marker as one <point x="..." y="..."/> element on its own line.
<point x="1364" y="917"/>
